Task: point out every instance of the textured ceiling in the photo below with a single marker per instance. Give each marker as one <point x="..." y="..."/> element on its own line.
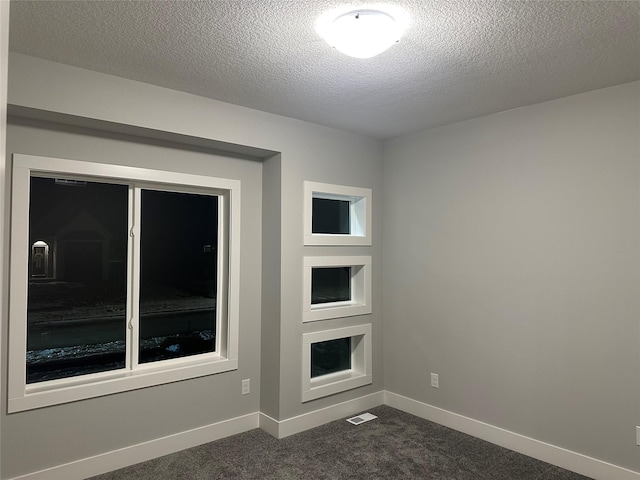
<point x="459" y="59"/>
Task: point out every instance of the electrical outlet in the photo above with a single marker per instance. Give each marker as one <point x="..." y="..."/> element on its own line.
<point x="435" y="382"/>
<point x="246" y="386"/>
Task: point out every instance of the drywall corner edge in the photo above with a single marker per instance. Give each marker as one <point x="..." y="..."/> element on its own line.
<point x="290" y="426"/>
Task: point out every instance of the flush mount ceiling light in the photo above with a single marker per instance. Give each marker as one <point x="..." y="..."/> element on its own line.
<point x="362" y="33"/>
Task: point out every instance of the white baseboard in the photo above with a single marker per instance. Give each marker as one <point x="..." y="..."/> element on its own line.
<point x="142" y="452"/>
<point x="269" y="425"/>
<point x="558" y="456"/>
<point x="124" y="457"/>
<point x="300" y="423"/>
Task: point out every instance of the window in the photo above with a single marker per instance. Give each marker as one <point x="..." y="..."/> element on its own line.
<point x="331" y="216"/>
<point x="331" y="356"/>
<point x="336" y="214"/>
<point x="336" y="287"/>
<point x="121" y="278"/>
<point x="178" y="266"/>
<point x="330" y="285"/>
<point x="77" y="289"/>
<point x="335" y="361"/>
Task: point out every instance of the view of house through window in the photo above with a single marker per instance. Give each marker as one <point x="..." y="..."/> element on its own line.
<point x="78" y="274"/>
<point x="330" y="284"/>
<point x="331" y="356"/>
<point x="77" y="278"/>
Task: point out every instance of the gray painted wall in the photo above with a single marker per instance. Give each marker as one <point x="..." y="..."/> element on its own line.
<point x="77" y="430"/>
<point x="345" y="165"/>
<point x="271" y="287"/>
<point x="510" y="254"/>
<point x="511" y="269"/>
<point x="307" y="152"/>
<point x="4" y="254"/>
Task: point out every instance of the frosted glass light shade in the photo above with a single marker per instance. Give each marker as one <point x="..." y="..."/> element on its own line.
<point x="361" y="33"/>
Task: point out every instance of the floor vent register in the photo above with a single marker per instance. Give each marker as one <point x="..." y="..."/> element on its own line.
<point x="365" y="417"/>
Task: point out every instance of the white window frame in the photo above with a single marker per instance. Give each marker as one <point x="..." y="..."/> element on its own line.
<point x="360" y="303"/>
<point x="359" y="213"/>
<point x="23" y="396"/>
<point x="358" y="375"/>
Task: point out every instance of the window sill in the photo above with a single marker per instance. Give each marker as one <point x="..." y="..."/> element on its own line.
<point x="334" y="311"/>
<point x="321" y="306"/>
<point x="336" y="239"/>
<point x="339" y="382"/>
<point x="90" y="386"/>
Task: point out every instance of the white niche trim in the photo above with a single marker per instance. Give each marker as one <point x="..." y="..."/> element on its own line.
<point x="358" y="301"/>
<point x="359" y="373"/>
<point x="358" y="203"/>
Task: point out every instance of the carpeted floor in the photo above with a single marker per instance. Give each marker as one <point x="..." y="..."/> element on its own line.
<point x="396" y="445"/>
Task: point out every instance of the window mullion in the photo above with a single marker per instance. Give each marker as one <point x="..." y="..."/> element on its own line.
<point x="133" y="300"/>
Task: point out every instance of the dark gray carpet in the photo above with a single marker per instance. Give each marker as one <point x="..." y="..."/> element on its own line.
<point x="396" y="445"/>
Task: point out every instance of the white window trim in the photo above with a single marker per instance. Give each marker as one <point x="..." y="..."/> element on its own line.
<point x="360" y="303"/>
<point x="25" y="397"/>
<point x="358" y="375"/>
<point x="360" y="213"/>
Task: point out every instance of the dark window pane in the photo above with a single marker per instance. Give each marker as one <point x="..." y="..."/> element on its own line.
<point x="330" y="284"/>
<point x="178" y="264"/>
<point x="330" y="357"/>
<point x="330" y="216"/>
<point x="77" y="278"/>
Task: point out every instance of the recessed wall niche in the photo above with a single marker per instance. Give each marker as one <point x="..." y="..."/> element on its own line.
<point x="335" y="360"/>
<point x="336" y="214"/>
<point x="336" y="286"/>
